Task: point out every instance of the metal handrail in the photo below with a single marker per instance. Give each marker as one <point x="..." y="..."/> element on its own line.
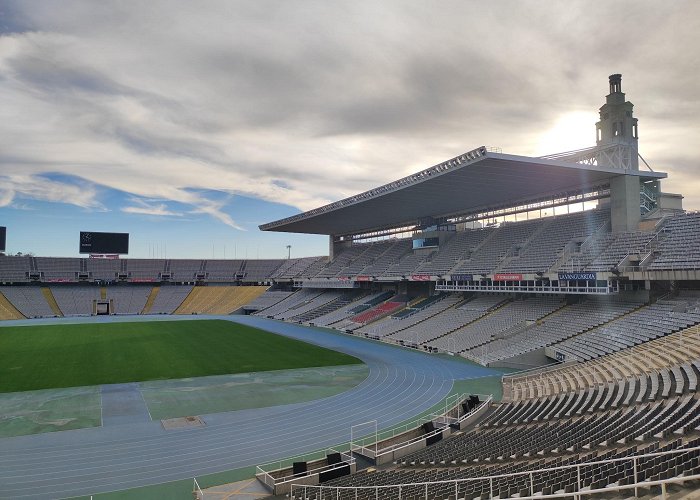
<point x="457" y="482"/>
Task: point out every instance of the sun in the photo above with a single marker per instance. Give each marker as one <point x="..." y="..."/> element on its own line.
<point x="571" y="131"/>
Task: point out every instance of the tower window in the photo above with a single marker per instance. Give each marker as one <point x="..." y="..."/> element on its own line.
<point x="635" y="132"/>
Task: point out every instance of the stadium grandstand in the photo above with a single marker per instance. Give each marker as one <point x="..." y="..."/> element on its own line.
<point x="576" y="269"/>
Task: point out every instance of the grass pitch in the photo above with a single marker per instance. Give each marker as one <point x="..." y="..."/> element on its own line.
<point x="54" y="356"/>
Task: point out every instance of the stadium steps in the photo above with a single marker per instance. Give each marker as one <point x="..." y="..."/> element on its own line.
<point x="185" y="305"/>
<point x="7" y="310"/>
<point x="51" y="300"/>
<point x="616" y="318"/>
<point x="416" y="301"/>
<point x="489" y="313"/>
<point x="218" y="299"/>
<point x="151" y="299"/>
<point x="522" y="248"/>
<point x="474" y="251"/>
<point x="103" y="293"/>
<point x="542" y="318"/>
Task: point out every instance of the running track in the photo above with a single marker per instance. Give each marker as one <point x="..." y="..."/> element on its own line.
<point x="401" y="384"/>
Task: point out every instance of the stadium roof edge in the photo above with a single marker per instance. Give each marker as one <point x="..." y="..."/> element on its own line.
<point x="473" y="181"/>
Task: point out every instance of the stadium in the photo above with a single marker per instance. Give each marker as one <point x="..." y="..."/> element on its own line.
<point x="493" y="326"/>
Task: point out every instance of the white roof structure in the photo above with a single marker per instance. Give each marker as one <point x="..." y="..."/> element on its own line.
<point x="474" y="182"/>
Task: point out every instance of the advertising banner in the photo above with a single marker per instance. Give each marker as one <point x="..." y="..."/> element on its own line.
<point x="578" y="276"/>
<point x="420" y="277"/>
<point x="462" y="277"/>
<point x="507" y="277"/>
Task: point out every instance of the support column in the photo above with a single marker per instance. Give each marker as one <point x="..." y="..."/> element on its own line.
<point x="624" y="203"/>
<point x="334" y="247"/>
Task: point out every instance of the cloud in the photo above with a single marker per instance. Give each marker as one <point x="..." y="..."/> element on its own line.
<point x="36" y="187"/>
<point x="215" y="209"/>
<point x="149" y="207"/>
<point x="6" y="196"/>
<point x="303" y="103"/>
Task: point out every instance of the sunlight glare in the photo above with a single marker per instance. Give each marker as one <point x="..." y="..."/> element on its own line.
<point x="571" y="131"/>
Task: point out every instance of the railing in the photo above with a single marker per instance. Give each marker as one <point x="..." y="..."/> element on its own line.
<point x="569" y="154"/>
<point x="302" y="491"/>
<point x="667" y="267"/>
<point x="588" y="242"/>
<point x="602" y="376"/>
<point x="443" y="420"/>
<point x="272" y="474"/>
<point x="611" y="288"/>
<point x="196" y="490"/>
<point x="264" y="473"/>
<point x="508" y="379"/>
<point x="651" y="195"/>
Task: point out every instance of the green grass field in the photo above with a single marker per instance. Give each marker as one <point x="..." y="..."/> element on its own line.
<point x="53" y="356"/>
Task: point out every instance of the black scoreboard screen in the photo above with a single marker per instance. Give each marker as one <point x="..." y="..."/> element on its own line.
<point x="116" y="243"/>
<point x="3" y="238"/>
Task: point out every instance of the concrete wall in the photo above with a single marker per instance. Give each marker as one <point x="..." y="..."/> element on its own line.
<point x="670" y="201"/>
<point x="524" y="361"/>
<point x="624" y="203"/>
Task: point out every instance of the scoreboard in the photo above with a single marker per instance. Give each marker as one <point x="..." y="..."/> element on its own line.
<point x="106" y="243"/>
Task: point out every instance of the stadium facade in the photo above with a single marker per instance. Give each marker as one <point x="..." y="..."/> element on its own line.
<point x="577" y="264"/>
<point x="588" y="222"/>
<point x="484" y="188"/>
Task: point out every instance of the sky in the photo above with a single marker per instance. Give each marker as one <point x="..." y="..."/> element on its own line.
<point x="188" y="124"/>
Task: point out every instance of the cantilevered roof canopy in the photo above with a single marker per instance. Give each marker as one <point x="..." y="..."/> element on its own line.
<point x="476" y="181"/>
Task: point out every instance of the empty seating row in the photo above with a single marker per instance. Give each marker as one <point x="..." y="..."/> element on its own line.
<point x="29" y="300"/>
<point x="300" y="296"/>
<point x="564" y="454"/>
<point x="267" y="299"/>
<point x="341" y="314"/>
<point x="512" y="317"/>
<point x="680" y="246"/>
<point x="218" y="299"/>
<point x="339" y="302"/>
<point x="448" y="320"/>
<point x="169" y="298"/>
<point x="561" y="324"/>
<point x="396" y="323"/>
<point x="628" y="369"/>
<point x="298" y="312"/>
<point x="545" y="247"/>
<point x="635" y="328"/>
<point x="76" y="300"/>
